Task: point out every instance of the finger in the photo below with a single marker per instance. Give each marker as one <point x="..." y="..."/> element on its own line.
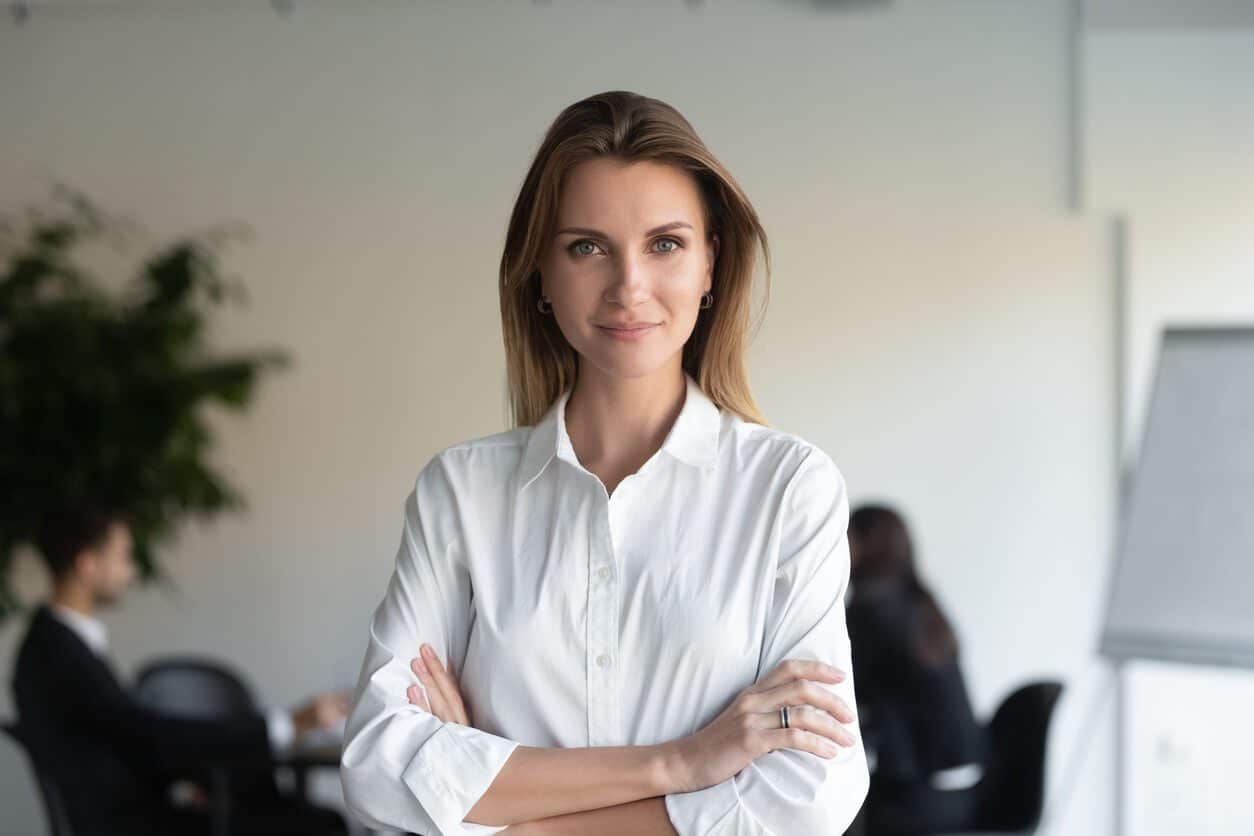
<point x="435" y="663"/>
<point x="802" y="740"/>
<point x="807" y="718"/>
<point x="822" y="697"/>
<point x="810" y="693"/>
<point x="441" y="689"/>
<point x="436" y="699"/>
<point x="803" y="692"/>
<point x="449" y="689"/>
<point x="792" y="669"/>
<point x="817" y="721"/>
<point x="438" y="670"/>
<point x="819" y="696"/>
<point x="843" y="712"/>
<point x="415" y="696"/>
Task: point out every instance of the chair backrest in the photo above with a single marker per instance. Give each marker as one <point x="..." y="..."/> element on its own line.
<point x="1012" y="793"/>
<point x="202" y="688"/>
<point x="57" y="821"/>
<point x="193" y="687"/>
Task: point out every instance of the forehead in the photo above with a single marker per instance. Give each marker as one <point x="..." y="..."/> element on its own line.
<point x="119" y="533"/>
<point x="627" y="198"/>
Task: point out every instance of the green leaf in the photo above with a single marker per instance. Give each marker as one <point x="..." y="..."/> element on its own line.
<point x="102" y="394"/>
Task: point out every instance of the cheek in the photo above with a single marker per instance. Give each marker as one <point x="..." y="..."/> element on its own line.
<point x="577" y="299"/>
<point x="570" y="287"/>
<point x="124" y="573"/>
<point x="682" y="302"/>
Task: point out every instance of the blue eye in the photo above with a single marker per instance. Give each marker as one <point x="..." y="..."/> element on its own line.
<point x="572" y="247"/>
<point x="674" y="241"/>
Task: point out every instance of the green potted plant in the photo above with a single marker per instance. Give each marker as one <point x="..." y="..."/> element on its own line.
<point x="102" y="393"/>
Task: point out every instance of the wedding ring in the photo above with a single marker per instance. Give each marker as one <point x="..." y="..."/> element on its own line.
<point x="783" y="717"/>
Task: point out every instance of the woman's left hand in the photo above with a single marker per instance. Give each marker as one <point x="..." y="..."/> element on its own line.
<point x="445" y="698"/>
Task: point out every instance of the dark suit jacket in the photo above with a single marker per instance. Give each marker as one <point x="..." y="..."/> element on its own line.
<point x="918" y="717"/>
<point x="109" y="754"/>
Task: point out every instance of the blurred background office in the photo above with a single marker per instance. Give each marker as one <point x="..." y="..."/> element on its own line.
<point x="982" y="214"/>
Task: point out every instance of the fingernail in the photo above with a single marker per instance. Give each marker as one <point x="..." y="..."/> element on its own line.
<point x="427" y="651"/>
<point x="421" y="666"/>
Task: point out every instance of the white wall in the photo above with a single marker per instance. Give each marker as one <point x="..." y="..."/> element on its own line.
<point x="1170" y="148"/>
<point x="940" y="320"/>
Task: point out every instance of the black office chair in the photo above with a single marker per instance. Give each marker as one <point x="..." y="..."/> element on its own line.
<point x="1012" y="791"/>
<point x="193" y="687"/>
<point x="202" y="688"/>
<point x="58" y="818"/>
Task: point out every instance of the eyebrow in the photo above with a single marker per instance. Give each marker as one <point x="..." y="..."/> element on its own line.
<point x="595" y="233"/>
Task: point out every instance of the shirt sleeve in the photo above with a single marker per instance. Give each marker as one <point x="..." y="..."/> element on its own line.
<point x="280" y="729"/>
<point x="788" y="790"/>
<point x="401" y="767"/>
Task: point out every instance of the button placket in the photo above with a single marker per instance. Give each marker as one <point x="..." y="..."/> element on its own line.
<point x="602" y="649"/>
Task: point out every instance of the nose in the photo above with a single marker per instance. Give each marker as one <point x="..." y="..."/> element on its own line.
<point x="630" y="284"/>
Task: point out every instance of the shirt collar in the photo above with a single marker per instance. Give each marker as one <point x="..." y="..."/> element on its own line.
<point x="692" y="439"/>
<point x="90" y="630"/>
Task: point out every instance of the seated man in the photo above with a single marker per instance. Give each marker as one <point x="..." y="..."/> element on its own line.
<point x="111" y="756"/>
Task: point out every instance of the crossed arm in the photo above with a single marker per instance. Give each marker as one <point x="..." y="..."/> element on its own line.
<point x="402" y="767"/>
<point x="626" y="785"/>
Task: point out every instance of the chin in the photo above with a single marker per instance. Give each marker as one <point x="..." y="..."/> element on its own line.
<point x="630" y="367"/>
<point x="108" y="600"/>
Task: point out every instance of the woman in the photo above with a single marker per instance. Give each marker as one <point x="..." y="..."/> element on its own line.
<point x="926" y="744"/>
<point x="637" y="592"/>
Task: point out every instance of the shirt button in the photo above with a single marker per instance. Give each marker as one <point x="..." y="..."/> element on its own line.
<point x="604" y="572"/>
<point x="603" y="660"/>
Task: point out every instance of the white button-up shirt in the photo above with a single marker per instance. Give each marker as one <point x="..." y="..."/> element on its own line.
<point x="577" y="618"/>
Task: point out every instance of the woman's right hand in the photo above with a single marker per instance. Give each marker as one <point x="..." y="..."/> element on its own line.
<point x="750" y="727"/>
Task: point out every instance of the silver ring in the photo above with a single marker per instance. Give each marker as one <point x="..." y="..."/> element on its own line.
<point x="783" y="717"/>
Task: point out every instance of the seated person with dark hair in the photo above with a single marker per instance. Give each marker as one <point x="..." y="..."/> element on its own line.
<point x="112" y="757"/>
<point x="927" y="745"/>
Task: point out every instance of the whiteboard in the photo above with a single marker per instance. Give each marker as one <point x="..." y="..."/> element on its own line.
<point x="1183" y="585"/>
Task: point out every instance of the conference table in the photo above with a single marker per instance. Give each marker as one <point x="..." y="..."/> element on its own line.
<point x="302" y="758"/>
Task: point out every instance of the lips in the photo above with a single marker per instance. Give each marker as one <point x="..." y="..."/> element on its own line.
<point x="628" y="333"/>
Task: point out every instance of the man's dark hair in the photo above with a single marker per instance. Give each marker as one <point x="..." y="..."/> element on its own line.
<point x="64" y="533"/>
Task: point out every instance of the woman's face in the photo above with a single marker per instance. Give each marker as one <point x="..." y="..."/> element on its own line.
<point x="630" y="250"/>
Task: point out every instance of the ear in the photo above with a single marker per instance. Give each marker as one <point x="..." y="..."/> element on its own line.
<point x="85" y="565"/>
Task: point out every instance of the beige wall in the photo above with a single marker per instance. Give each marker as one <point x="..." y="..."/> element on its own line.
<point x="940" y="319"/>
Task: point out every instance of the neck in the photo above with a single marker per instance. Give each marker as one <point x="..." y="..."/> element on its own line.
<point x="74" y="596"/>
<point x="615" y="424"/>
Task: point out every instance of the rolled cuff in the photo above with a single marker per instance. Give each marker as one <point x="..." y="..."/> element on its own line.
<point x="703" y="811"/>
<point x="451" y="772"/>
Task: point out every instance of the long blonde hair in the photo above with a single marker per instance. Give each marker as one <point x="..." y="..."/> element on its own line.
<point x="540" y="363"/>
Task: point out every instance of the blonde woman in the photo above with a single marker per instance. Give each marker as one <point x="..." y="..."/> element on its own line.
<point x="637" y="593"/>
